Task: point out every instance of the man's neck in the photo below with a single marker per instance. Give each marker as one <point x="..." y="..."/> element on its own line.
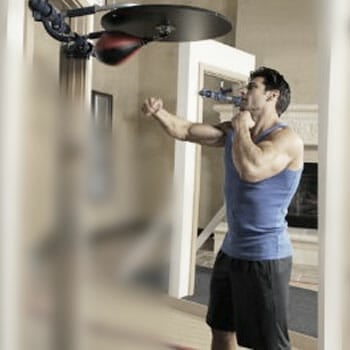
<point x="263" y="122"/>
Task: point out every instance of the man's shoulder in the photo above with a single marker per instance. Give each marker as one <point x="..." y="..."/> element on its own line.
<point x="287" y="134"/>
<point x="287" y="140"/>
<point x="291" y="143"/>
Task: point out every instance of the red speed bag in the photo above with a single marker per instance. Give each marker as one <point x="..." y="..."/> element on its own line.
<point x="114" y="48"/>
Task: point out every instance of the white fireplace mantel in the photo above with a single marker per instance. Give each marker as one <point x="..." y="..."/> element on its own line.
<point x="303" y="118"/>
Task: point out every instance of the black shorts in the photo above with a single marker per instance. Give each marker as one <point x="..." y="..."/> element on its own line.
<point x="250" y="298"/>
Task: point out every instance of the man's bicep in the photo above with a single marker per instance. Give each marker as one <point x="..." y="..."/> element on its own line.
<point x="219" y="141"/>
<point x="205" y="134"/>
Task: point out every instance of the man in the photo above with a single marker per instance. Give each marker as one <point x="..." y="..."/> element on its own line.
<point x="263" y="165"/>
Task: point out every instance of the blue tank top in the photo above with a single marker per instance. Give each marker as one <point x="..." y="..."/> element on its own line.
<point x="257" y="228"/>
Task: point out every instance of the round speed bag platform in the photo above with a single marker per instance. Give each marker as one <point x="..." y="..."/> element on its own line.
<point x="167" y="22"/>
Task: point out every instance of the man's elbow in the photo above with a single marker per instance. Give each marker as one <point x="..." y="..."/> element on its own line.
<point x="181" y="133"/>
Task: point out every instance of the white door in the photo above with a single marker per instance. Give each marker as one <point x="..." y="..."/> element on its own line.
<point x="195" y="59"/>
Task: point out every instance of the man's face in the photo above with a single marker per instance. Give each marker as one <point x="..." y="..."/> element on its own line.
<point x="254" y="96"/>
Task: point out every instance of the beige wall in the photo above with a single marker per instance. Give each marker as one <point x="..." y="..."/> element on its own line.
<point x="282" y="34"/>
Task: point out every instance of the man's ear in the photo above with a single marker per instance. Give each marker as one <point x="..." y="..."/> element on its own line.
<point x="273" y="94"/>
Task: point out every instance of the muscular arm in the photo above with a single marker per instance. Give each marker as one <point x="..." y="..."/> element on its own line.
<point x="256" y="162"/>
<point x="185" y="130"/>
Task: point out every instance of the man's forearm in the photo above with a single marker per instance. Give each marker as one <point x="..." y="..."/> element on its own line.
<point x="185" y="130"/>
<point x="173" y="125"/>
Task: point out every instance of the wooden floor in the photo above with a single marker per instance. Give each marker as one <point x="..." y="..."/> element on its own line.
<point x="116" y="316"/>
<point x="120" y="318"/>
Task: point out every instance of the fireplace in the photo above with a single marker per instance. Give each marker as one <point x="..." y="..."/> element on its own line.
<point x="302" y="211"/>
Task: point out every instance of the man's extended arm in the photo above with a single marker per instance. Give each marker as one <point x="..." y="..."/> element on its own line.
<point x="185" y="130"/>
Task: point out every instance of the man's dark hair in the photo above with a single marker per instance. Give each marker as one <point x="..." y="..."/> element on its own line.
<point x="273" y="80"/>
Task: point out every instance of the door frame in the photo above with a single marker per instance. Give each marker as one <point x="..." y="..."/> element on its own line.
<point x="195" y="60"/>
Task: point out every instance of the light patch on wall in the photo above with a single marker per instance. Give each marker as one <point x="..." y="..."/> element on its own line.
<point x="100" y="170"/>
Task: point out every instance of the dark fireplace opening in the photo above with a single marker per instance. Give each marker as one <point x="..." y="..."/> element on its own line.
<point x="302" y="211"/>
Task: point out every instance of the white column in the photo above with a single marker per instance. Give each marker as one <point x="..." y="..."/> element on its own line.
<point x="184" y="180"/>
<point x="334" y="171"/>
<point x="11" y="63"/>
